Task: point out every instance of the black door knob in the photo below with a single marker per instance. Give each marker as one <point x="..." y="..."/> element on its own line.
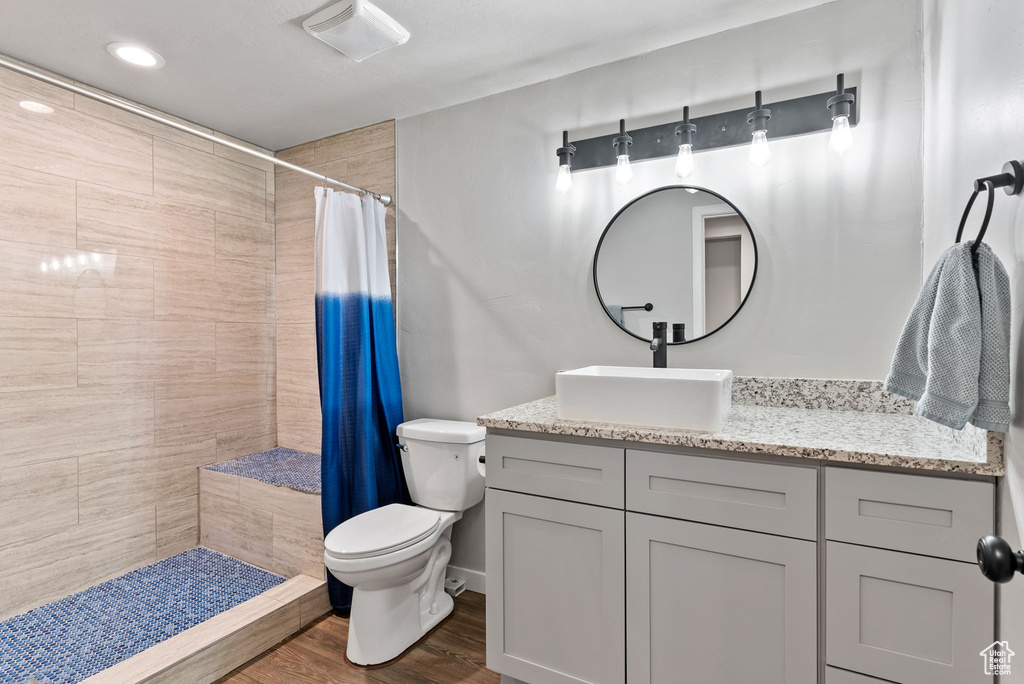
<point x="997" y="560"/>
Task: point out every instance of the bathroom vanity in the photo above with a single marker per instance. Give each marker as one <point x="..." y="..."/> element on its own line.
<point x="795" y="545"/>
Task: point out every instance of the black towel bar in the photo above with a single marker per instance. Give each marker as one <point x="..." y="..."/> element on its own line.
<point x="1012" y="182"/>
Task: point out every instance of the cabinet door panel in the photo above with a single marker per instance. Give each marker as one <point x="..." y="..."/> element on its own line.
<point x="560" y="470"/>
<point x="906" y="618"/>
<point x="718" y="606"/>
<point x="556" y="611"/>
<point x="763" y="497"/>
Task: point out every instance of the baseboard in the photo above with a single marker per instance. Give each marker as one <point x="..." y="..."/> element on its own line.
<point x="474" y="579"/>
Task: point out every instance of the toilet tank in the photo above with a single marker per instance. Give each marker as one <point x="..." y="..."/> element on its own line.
<point x="442" y="466"/>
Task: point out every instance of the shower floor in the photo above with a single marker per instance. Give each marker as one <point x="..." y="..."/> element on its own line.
<point x="282" y="467"/>
<point x="74" y="638"/>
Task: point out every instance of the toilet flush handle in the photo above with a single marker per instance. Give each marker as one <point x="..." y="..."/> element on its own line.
<point x="402" y="447"/>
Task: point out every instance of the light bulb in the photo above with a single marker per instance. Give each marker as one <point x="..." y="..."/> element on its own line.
<point x="841" y="139"/>
<point x="136" y="54"/>
<point x="564" y="182"/>
<point x="684" y="162"/>
<point x="36" y="107"/>
<point x="623" y="171"/>
<point x="760" y="155"/>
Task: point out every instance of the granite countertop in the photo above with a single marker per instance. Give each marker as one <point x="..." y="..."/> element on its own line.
<point x="882" y="439"/>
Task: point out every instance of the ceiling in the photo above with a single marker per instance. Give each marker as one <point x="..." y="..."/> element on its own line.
<point x="246" y="67"/>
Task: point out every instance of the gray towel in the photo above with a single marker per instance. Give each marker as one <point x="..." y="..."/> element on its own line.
<point x="953" y="356"/>
<point x="993" y="412"/>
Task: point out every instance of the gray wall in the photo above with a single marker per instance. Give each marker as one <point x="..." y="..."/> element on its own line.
<point x="494" y="265"/>
<point x="974" y="75"/>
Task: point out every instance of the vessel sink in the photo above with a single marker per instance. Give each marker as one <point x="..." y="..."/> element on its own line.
<point x="682" y="398"/>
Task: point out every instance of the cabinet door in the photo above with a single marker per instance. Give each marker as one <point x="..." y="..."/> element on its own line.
<point x="906" y="618"/>
<point x="718" y="606"/>
<point x="556" y="572"/>
<point x="836" y="676"/>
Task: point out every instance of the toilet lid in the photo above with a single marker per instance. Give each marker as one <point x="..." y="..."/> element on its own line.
<point x="381" y="530"/>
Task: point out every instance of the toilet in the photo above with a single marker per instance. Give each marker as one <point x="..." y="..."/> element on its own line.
<point x="395" y="557"/>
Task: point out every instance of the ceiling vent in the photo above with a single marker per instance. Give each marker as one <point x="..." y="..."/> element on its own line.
<point x="356" y="28"/>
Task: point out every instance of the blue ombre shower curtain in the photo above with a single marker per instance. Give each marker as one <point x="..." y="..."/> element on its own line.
<point x="360" y="388"/>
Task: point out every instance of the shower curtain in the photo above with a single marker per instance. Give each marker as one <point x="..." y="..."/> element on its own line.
<point x="360" y="388"/>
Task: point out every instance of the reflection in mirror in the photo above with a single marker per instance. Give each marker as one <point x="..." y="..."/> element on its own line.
<point x="682" y="255"/>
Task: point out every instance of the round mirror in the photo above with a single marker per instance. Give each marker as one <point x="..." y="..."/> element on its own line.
<point x="681" y="255"/>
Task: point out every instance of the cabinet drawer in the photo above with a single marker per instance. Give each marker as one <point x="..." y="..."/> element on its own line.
<point x="933" y="516"/>
<point x="560" y="470"/>
<point x="836" y="676"/>
<point x="906" y="618"/>
<point x="764" y="497"/>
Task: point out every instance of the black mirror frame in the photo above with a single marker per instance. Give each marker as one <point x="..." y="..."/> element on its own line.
<point x="597" y="254"/>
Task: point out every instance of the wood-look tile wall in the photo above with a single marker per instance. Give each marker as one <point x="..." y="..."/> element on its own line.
<point x="365" y="158"/>
<point x="137" y="326"/>
<point x="275" y="528"/>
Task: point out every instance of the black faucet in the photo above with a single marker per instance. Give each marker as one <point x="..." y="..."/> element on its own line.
<point x="659" y="345"/>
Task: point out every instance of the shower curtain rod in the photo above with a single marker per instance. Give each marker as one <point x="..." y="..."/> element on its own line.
<point x="14" y="65"/>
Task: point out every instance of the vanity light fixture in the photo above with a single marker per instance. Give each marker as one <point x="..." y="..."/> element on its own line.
<point x="623" y="171"/>
<point x="686" y="131"/>
<point x="565" y="152"/>
<point x="136" y="54"/>
<point x="841" y="139"/>
<point x="760" y="154"/>
<point x="679" y="139"/>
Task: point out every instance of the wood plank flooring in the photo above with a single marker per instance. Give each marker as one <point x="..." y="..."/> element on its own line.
<point x="453" y="653"/>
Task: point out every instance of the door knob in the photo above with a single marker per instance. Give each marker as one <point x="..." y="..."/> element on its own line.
<point x="997" y="560"/>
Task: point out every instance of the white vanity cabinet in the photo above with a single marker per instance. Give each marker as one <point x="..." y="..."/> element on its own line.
<point x="556" y="563"/>
<point x="721" y="569"/>
<point x="659" y="565"/>
<point x="905" y="601"/>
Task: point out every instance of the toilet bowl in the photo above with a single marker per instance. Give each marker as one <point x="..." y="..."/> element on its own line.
<point x="395" y="557"/>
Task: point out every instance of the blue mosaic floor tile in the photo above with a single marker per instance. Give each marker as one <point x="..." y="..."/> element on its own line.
<point x="74" y="638"/>
<point x="283" y="467"/>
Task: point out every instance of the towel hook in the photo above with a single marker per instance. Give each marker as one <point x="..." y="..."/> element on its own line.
<point x="1012" y="182"/>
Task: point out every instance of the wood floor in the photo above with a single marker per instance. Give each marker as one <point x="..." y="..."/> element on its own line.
<point x="454" y="652"/>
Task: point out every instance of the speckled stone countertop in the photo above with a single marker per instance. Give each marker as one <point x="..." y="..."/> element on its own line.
<point x="891" y="438"/>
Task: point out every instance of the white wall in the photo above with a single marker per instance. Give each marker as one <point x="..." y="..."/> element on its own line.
<point x="494" y="287"/>
<point x="974" y="68"/>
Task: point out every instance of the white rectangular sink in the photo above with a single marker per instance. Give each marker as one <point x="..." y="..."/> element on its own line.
<point x="683" y="398"/>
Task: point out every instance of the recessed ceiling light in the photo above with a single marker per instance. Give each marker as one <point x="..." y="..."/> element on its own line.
<point x="136" y="54"/>
<point x="37" y="107"/>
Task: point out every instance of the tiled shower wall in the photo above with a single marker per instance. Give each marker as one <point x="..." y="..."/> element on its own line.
<point x="136" y="335"/>
<point x="366" y="158"/>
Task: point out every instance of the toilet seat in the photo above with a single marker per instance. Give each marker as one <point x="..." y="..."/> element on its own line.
<point x="381" y="531"/>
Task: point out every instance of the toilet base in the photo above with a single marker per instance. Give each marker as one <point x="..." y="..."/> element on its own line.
<point x="389" y="632"/>
<point x="388" y="663"/>
<point x="386" y="620"/>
